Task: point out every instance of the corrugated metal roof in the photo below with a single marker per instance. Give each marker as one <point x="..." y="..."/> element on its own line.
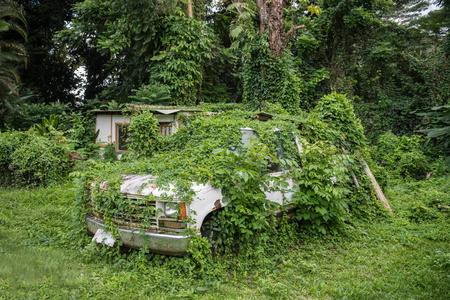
<point x="167" y="111"/>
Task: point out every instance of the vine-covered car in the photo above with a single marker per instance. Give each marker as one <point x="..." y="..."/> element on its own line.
<point x="155" y="217"/>
<point x="236" y="167"/>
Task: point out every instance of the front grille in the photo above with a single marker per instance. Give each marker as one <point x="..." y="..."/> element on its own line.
<point x="140" y="212"/>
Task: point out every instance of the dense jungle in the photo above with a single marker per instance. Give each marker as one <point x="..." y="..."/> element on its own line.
<point x="349" y="100"/>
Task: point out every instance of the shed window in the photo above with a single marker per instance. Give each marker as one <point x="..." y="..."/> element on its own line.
<point x="165" y="128"/>
<point x="121" y="136"/>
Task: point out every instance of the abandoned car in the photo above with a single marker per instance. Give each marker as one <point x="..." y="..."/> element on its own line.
<point x="164" y="210"/>
<point x="155" y="217"/>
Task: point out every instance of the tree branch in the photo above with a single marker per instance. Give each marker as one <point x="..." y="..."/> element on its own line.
<point x="291" y="31"/>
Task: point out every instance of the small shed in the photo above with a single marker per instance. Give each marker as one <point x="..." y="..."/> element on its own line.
<point x="112" y="124"/>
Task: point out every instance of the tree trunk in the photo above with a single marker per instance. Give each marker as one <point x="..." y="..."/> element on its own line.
<point x="271" y="20"/>
<point x="276" y="41"/>
<point x="263" y="17"/>
<point x="375" y="185"/>
<point x="190" y="10"/>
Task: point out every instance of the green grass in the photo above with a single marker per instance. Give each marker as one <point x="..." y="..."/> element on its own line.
<point x="404" y="256"/>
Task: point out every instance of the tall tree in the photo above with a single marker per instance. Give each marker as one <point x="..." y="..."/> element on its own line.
<point x="151" y="45"/>
<point x="92" y="21"/>
<point x="49" y="73"/>
<point x="271" y="19"/>
<point x="388" y="69"/>
<point x="268" y="70"/>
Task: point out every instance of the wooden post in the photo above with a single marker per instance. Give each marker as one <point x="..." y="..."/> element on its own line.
<point x="376" y="187"/>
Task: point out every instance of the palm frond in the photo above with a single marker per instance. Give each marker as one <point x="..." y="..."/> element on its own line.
<point x="13" y="26"/>
<point x="8" y="104"/>
<point x="10" y="72"/>
<point x="4" y="26"/>
<point x="13" y="46"/>
<point x="10" y="84"/>
<point x="12" y="53"/>
<point x="241" y="28"/>
<point x="12" y="12"/>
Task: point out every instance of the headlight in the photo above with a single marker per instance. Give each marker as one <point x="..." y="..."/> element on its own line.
<point x="170" y="209"/>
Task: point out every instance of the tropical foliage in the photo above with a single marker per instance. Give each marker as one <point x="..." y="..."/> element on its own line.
<point x="439" y="119"/>
<point x="12" y="53"/>
<point x="343" y="80"/>
<point x="45" y="55"/>
<point x="28" y="158"/>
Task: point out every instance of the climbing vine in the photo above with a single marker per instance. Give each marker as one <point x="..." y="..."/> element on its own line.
<point x="144" y="138"/>
<point x="186" y="46"/>
<point x="269" y="79"/>
<point x="306" y="148"/>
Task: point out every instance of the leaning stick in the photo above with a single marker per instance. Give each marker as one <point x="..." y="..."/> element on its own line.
<point x="376" y="187"/>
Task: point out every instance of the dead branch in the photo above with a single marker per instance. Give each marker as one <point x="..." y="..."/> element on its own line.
<point x="294" y="28"/>
<point x="375" y="185"/>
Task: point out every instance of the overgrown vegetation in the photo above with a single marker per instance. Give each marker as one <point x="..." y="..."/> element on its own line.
<point x="27" y="158"/>
<point x="400" y="256"/>
<point x="346" y="81"/>
<point x="12" y="54"/>
<point x="209" y="149"/>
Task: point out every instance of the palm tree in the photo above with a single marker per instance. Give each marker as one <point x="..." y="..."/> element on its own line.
<point x="12" y="53"/>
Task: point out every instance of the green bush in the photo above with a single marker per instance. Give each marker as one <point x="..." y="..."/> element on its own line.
<point x="9" y="141"/>
<point x="402" y="156"/>
<point x="109" y="153"/>
<point x="31" y="114"/>
<point x="82" y="134"/>
<point x="30" y="159"/>
<point x="144" y="138"/>
<point x="337" y="112"/>
<point x="438" y="118"/>
<point x="321" y="195"/>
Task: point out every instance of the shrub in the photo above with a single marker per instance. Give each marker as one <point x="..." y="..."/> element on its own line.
<point x="9" y="141"/>
<point x="33" y="113"/>
<point x="337" y="113"/>
<point x="82" y="135"/>
<point x="439" y="119"/>
<point x="144" y="137"/>
<point x="29" y="159"/>
<point x="401" y="156"/>
<point x="109" y="153"/>
<point x="321" y="195"/>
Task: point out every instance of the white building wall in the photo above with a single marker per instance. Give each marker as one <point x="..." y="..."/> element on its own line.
<point x="107" y="124"/>
<point x="103" y="123"/>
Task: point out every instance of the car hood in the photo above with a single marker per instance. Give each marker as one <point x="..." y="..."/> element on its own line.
<point x="146" y="185"/>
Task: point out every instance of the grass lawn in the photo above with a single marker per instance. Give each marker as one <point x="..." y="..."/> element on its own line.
<point x="404" y="256"/>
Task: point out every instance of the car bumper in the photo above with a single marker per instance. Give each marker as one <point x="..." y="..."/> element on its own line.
<point x="163" y="243"/>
